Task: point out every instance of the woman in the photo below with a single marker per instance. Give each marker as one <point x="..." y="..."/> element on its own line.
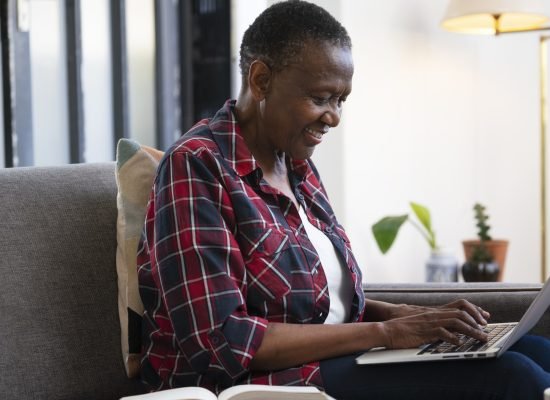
<point x="245" y="273"/>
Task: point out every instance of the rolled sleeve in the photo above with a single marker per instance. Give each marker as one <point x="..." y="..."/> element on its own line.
<point x="200" y="270"/>
<point x="234" y="350"/>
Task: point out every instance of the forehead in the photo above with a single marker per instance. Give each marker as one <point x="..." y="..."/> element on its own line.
<point x="321" y="63"/>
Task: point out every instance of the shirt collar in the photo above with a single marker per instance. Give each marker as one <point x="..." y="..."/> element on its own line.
<point x="227" y="134"/>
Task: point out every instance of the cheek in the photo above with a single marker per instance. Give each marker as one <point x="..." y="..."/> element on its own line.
<point x="305" y="113"/>
<point x="289" y="119"/>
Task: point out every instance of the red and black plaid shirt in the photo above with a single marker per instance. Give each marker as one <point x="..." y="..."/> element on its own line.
<point x="222" y="255"/>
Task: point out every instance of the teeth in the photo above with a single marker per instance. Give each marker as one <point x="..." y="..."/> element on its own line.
<point x="317" y="134"/>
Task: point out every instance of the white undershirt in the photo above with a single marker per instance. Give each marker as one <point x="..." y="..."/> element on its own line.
<point x="340" y="286"/>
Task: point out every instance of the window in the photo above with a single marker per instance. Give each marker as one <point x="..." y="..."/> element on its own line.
<point x="77" y="75"/>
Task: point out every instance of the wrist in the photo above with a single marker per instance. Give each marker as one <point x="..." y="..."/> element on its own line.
<point x="396" y="311"/>
<point x="383" y="338"/>
<point x="405" y="310"/>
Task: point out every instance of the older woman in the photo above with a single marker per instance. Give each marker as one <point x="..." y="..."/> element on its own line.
<point x="246" y="274"/>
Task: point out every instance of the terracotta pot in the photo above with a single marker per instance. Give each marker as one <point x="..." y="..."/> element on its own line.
<point x="497" y="249"/>
<point x="480" y="272"/>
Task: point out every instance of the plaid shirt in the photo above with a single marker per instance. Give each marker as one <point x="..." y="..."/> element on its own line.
<point x="222" y="254"/>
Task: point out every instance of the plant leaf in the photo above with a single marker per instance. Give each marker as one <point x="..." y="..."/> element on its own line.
<point x="385" y="231"/>
<point x="423" y="215"/>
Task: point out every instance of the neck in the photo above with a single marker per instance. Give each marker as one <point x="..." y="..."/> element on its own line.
<point x="248" y="115"/>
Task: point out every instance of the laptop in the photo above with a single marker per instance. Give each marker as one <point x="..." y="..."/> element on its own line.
<point x="501" y="337"/>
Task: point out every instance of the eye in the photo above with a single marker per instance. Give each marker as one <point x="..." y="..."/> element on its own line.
<point x="324" y="100"/>
<point x="341" y="100"/>
<point x="320" y="101"/>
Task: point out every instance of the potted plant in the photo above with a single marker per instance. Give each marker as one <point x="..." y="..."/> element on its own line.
<point x="485" y="257"/>
<point x="441" y="266"/>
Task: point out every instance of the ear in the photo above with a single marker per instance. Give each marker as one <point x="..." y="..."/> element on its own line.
<point x="259" y="79"/>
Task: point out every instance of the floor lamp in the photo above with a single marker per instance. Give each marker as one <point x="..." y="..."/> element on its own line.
<point x="496" y="17"/>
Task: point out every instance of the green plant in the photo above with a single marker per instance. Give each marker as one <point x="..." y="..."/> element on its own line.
<point x="482" y="225"/>
<point x="385" y="230"/>
<point x="480" y="253"/>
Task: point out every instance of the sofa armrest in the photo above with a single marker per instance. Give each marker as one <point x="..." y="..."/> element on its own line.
<point x="505" y="301"/>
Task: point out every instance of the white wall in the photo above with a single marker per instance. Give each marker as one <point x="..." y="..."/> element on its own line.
<point x="435" y="117"/>
<point x="443" y="119"/>
<point x="243" y="14"/>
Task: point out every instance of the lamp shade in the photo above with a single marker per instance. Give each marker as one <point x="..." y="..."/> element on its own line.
<point x="494" y="16"/>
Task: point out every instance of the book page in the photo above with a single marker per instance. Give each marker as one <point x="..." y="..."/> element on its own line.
<point x="267" y="392"/>
<point x="186" y="393"/>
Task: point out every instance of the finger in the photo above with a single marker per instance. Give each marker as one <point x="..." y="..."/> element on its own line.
<point x="477" y="333"/>
<point x="449" y="337"/>
<point x="463" y="316"/>
<point x="479" y="314"/>
<point x="476" y="312"/>
<point x="457" y="321"/>
<point x="460" y="326"/>
<point x="485" y="316"/>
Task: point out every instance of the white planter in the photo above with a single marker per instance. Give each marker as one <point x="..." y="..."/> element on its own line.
<point x="442" y="266"/>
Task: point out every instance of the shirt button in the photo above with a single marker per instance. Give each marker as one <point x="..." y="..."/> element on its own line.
<point x="328" y="229"/>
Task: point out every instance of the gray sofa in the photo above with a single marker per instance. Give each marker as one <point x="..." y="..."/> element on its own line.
<point x="60" y="335"/>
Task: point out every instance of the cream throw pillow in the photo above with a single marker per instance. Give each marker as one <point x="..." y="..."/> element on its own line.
<point x="136" y="167"/>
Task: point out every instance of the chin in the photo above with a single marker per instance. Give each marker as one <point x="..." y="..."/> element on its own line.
<point x="302" y="154"/>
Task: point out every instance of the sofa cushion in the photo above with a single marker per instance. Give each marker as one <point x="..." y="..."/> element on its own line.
<point x="136" y="166"/>
<point x="58" y="295"/>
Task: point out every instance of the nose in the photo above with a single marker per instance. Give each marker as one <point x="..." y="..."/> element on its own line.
<point x="331" y="116"/>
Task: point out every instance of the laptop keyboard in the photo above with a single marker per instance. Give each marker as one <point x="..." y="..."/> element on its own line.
<point x="495" y="332"/>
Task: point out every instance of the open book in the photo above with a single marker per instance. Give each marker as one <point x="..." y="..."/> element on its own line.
<point x="239" y="392"/>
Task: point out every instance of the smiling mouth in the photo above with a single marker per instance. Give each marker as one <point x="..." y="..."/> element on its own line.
<point x="317" y="134"/>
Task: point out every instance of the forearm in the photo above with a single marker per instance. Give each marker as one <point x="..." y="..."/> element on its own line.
<point x="288" y="345"/>
<point x="380" y="311"/>
<point x="376" y="311"/>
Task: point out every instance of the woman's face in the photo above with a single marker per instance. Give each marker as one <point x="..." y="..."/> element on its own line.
<point x="305" y="99"/>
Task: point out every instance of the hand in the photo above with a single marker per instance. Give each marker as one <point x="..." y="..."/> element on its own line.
<point x="404" y="310"/>
<point x="479" y="314"/>
<point x="434" y="323"/>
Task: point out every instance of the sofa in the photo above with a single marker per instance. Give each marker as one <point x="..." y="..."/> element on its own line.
<point x="59" y="321"/>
